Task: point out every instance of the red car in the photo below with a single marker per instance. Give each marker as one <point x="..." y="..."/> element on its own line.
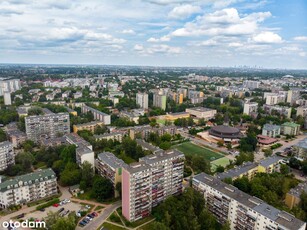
<point x="95" y="213"/>
<point x="56" y="205"/>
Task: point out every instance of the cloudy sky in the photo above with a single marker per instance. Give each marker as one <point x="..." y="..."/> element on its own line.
<point x="263" y="33"/>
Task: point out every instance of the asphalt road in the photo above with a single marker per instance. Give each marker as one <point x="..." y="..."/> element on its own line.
<point x="96" y="222"/>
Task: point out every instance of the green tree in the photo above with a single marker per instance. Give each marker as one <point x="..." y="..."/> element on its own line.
<point x="102" y="189"/>
<point x="25" y="159"/>
<point x="284" y="169"/>
<point x="87" y="174"/>
<point x="71" y="175"/>
<point x="2" y="136"/>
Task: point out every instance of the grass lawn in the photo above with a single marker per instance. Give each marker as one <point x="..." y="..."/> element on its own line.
<point x="224" y="161"/>
<point x="111" y="227"/>
<point x="161" y="121"/>
<point x="189" y="148"/>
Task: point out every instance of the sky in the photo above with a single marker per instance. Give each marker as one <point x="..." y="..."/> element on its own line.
<point x="215" y="33"/>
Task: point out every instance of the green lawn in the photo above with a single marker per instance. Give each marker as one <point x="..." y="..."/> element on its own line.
<point x="224" y="161"/>
<point x="111" y="227"/>
<point x="189" y="149"/>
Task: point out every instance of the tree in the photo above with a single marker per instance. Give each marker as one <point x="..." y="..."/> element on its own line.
<point x="118" y="188"/>
<point x="68" y="154"/>
<point x="71" y="175"/>
<point x="158" y="226"/>
<point x="55" y="222"/>
<point x="102" y="189"/>
<point x="268" y="152"/>
<point x="25" y="159"/>
<point x="219" y="169"/>
<point x="165" y="145"/>
<point x="87" y="174"/>
<point x="220" y="143"/>
<point x="2" y="136"/>
<point x="284" y="169"/>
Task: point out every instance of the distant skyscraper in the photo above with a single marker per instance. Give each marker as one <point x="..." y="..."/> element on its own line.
<point x="142" y="100"/>
<point x="7" y="98"/>
<point x="9" y="86"/>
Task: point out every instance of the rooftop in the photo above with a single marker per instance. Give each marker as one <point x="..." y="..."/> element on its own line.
<point x="291" y="124"/>
<point x="161" y="156"/>
<point x="302" y="143"/>
<point x="28" y="178"/>
<point x="282" y="218"/>
<point x="111" y="160"/>
<point x="137" y="167"/>
<point x="299" y="189"/>
<point x="5" y="143"/>
<point x="270" y="160"/>
<point x="235" y="172"/>
<point x="271" y="127"/>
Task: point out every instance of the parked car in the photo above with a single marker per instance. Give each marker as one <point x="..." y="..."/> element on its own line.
<point x="95" y="213"/>
<point x="21" y="216"/>
<point x="61" y="210"/>
<point x="85" y="220"/>
<point x="42" y="210"/>
<point x="87" y="206"/>
<point x="56" y="205"/>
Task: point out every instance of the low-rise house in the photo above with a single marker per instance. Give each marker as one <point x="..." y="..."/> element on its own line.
<point x="271" y="130"/>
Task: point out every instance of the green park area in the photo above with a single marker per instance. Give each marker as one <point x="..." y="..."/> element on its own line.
<point x="189" y="148"/>
<point x="224" y="161"/>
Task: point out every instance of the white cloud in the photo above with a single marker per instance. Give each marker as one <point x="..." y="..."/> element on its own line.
<point x="222" y="22"/>
<point x="138" y="47"/>
<point x="301" y="38"/>
<point x="235" y="44"/>
<point x="165" y="38"/>
<point x="155" y="49"/>
<point x="128" y="31"/>
<point x="267" y="37"/>
<point x="183" y="11"/>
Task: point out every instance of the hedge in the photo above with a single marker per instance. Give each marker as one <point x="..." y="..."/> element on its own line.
<point x="49" y="203"/>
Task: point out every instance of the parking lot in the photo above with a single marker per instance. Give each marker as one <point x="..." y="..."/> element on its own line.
<point x="72" y="207"/>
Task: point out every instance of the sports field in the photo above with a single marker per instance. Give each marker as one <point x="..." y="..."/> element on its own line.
<point x="224" y="161"/>
<point x="189" y="148"/>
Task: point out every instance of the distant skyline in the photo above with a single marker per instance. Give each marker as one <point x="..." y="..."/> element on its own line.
<point x="223" y="33"/>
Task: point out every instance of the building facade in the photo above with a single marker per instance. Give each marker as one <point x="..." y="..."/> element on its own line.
<point x="27" y="188"/>
<point x="90" y="126"/>
<point x="142" y="100"/>
<point x="47" y="126"/>
<point x="98" y="115"/>
<point x="250" y="108"/>
<point x="201" y="112"/>
<point x="270" y="130"/>
<point x="7" y="155"/>
<point x="290" y="128"/>
<point x="228" y="204"/>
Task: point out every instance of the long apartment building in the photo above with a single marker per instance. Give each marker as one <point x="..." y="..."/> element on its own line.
<point x="145" y="130"/>
<point x="110" y="167"/>
<point x="84" y="150"/>
<point x="27" y="188"/>
<point x="115" y="136"/>
<point x="150" y="181"/>
<point x="10" y="86"/>
<point x="201" y="112"/>
<point x="90" y="126"/>
<point x="47" y="126"/>
<point x="98" y="115"/>
<point x="242" y="211"/>
<point x="7" y="156"/>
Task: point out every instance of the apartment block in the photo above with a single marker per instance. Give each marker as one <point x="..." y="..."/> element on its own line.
<point x="251" y="84"/>
<point x="290" y="128"/>
<point x="7" y="156"/>
<point x="276" y="109"/>
<point x="115" y="136"/>
<point x="159" y="100"/>
<point x="293" y="197"/>
<point x="274" y="98"/>
<point x="201" y="112"/>
<point x="90" y="126"/>
<point x="110" y="167"/>
<point x="150" y="181"/>
<point x="7" y="98"/>
<point x="47" y="126"/>
<point x="98" y="115"/>
<point x="301" y="111"/>
<point x="136" y="191"/>
<point x="145" y="130"/>
<point x="10" y="86"/>
<point x="84" y="150"/>
<point x="270" y="130"/>
<point x="228" y="204"/>
<point x="142" y="100"/>
<point x="167" y="174"/>
<point x="27" y="188"/>
<point x="250" y="108"/>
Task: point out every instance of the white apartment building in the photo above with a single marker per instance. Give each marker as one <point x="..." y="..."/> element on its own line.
<point x="115" y="136"/>
<point x="242" y="211"/>
<point x="98" y="115"/>
<point x="301" y="111"/>
<point x="274" y="98"/>
<point x="149" y="182"/>
<point x="7" y="156"/>
<point x="251" y="84"/>
<point x="27" y="188"/>
<point x="9" y="86"/>
<point x="47" y="126"/>
<point x="7" y="98"/>
<point x="270" y="130"/>
<point x="201" y="112"/>
<point x="250" y="107"/>
<point x="142" y="100"/>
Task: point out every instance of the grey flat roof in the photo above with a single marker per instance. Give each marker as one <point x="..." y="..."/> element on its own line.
<point x="162" y="155"/>
<point x="147" y="145"/>
<point x="201" y="109"/>
<point x="282" y="218"/>
<point x="237" y="171"/>
<point x="137" y="167"/>
<point x="270" y="160"/>
<point x="5" y="143"/>
<point x="111" y="160"/>
<point x="299" y="189"/>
